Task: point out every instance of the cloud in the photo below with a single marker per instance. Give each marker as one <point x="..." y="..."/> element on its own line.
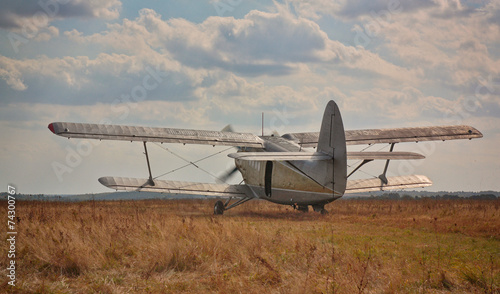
<point x="223" y="60"/>
<point x="349" y="10"/>
<point x="47" y="34"/>
<point x="407" y="104"/>
<point x="380" y="9"/>
<point x="429" y="42"/>
<point x="358" y="8"/>
<point x="492" y="12"/>
<point x="106" y="78"/>
<point x="28" y="13"/>
<point x="11" y="74"/>
<point x="194" y="56"/>
<point x="261" y="43"/>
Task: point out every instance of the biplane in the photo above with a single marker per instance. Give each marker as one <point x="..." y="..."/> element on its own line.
<point x="297" y="169"/>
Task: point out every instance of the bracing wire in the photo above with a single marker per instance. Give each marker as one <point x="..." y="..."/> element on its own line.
<point x="357" y="162"/>
<point x="193" y="163"/>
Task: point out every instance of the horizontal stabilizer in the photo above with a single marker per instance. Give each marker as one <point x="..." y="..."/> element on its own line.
<point x="384" y="155"/>
<point x="150" y="134"/>
<point x="279" y="156"/>
<point x="393" y="183"/>
<point x="396" y="135"/>
<point x="286" y="156"/>
<point x="176" y="187"/>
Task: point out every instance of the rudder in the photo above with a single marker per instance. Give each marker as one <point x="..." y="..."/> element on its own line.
<point x="332" y="142"/>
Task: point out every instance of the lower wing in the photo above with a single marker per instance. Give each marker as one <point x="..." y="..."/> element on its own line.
<point x="176" y="187"/>
<point x="393" y="183"/>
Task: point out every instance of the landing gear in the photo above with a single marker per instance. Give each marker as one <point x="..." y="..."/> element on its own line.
<point x="305" y="208"/>
<point x="219" y="208"/>
<point x="320" y="208"/>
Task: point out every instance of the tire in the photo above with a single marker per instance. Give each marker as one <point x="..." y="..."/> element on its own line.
<point x="219" y="208"/>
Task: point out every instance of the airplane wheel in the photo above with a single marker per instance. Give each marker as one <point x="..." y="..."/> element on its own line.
<point x="303" y="208"/>
<point x="219" y="208"/>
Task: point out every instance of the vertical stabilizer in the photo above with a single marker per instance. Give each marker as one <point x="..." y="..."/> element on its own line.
<point x="332" y="142"/>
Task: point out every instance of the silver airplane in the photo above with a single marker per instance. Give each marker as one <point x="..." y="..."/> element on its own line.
<point x="281" y="169"/>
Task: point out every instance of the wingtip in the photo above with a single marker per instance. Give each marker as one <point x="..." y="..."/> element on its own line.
<point x="473" y="132"/>
<point x="478" y="133"/>
<point x="104" y="181"/>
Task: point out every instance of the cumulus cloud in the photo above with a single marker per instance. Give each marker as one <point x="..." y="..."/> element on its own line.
<point x="11" y="75"/>
<point x="47" y="34"/>
<point x="82" y="80"/>
<point x="492" y="12"/>
<point x="28" y="13"/>
<point x="354" y="9"/>
<point x="261" y="43"/>
<point x="406" y="104"/>
<point x="195" y="57"/>
<point x="437" y="44"/>
<point x="223" y="59"/>
<point x="349" y="10"/>
<point x="360" y="9"/>
<point x="429" y="42"/>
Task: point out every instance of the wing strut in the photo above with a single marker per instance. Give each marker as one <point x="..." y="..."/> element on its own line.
<point x="239" y="202"/>
<point x="359" y="166"/>
<point x="151" y="182"/>
<point x="382" y="176"/>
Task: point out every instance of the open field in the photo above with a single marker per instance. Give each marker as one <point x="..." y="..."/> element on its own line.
<point x="155" y="246"/>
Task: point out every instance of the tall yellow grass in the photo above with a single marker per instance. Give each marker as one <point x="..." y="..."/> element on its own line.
<point x="362" y="246"/>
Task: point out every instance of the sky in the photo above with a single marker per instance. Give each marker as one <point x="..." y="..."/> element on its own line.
<point x="206" y="64"/>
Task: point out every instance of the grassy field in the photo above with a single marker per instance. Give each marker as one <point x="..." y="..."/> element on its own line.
<point x="362" y="246"/>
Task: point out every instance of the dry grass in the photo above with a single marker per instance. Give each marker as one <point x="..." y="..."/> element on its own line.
<point x="363" y="246"/>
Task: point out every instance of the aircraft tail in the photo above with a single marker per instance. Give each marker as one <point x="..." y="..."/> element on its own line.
<point x="332" y="142"/>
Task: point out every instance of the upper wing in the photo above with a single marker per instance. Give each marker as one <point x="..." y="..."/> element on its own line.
<point x="176" y="187"/>
<point x="150" y="134"/>
<point x="393" y="183"/>
<point x="397" y="135"/>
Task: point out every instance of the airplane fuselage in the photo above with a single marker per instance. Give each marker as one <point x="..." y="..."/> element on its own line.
<point x="283" y="182"/>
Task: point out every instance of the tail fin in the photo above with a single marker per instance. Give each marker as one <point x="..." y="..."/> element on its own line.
<point x="332" y="142"/>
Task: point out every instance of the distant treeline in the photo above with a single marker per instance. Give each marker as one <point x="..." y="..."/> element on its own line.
<point x="408" y="195"/>
<point x="397" y="196"/>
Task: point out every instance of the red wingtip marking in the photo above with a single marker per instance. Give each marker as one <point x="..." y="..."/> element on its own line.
<point x="51" y="128"/>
